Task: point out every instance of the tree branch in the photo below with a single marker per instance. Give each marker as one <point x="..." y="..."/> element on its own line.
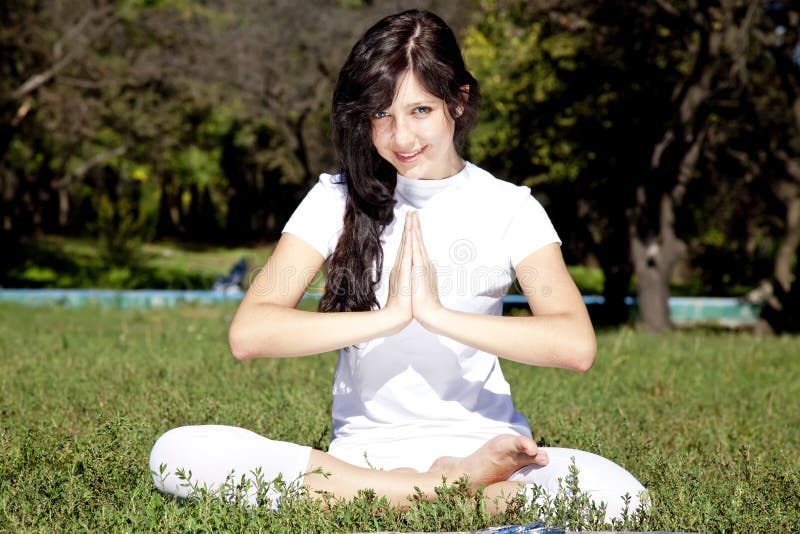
<point x="94" y="161"/>
<point x="669" y="8"/>
<point x="71" y="35"/>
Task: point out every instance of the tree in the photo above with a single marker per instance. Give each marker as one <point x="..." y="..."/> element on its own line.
<point x="626" y="119"/>
<point x="773" y="83"/>
<point x="211" y="117"/>
<point x="43" y="43"/>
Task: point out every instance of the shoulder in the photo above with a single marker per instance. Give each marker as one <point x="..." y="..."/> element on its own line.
<point x="319" y="217"/>
<point x="327" y="197"/>
<point x="520" y="219"/>
<point x="330" y="192"/>
<point x="494" y="190"/>
<point x="335" y="183"/>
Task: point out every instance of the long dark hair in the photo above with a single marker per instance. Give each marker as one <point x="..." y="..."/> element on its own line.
<point x="413" y="41"/>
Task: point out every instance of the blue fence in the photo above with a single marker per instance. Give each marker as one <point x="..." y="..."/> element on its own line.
<point x="684" y="310"/>
<point x="134" y="298"/>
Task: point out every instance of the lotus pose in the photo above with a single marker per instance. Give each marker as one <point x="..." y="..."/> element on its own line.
<point x="420" y="247"/>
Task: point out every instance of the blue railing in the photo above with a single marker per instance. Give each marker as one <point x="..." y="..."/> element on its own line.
<point x="729" y="311"/>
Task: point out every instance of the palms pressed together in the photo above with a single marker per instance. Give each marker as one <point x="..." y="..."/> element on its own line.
<point x="413" y="290"/>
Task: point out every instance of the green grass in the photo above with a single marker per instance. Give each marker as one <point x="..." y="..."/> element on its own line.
<point x="708" y="421"/>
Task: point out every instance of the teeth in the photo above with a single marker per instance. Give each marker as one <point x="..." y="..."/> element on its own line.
<point x="409" y="154"/>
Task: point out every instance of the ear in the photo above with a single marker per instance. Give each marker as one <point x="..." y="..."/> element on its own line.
<point x="464" y="90"/>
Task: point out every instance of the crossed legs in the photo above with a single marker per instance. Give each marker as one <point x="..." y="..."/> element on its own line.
<point x="494" y="462"/>
<point x="212" y="452"/>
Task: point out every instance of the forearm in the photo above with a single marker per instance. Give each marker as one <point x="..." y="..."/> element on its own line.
<point x="558" y="340"/>
<point x="271" y="331"/>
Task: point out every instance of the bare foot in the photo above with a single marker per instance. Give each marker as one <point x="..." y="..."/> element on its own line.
<point x="495" y="461"/>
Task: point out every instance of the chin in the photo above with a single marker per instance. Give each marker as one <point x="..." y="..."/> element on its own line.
<point x="418" y="171"/>
<point x="412" y="173"/>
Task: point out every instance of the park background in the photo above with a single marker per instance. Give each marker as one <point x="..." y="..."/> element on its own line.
<point x="152" y="143"/>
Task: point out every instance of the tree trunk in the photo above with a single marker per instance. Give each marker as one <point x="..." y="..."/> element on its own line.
<point x="655" y="248"/>
<point x="63" y="208"/>
<point x="788" y="250"/>
<point x="652" y="289"/>
<point x="654" y="257"/>
<point x="167" y="226"/>
<point x="782" y="310"/>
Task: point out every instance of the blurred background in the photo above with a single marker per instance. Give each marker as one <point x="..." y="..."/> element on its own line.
<point x="152" y="143"/>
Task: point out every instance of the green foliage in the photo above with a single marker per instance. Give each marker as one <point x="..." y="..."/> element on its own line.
<point x="119" y="230"/>
<point x="62" y="263"/>
<point x="22" y="156"/>
<point x="352" y="4"/>
<point x="521" y="77"/>
<point x="707" y="421"/>
<point x="192" y="165"/>
<point x="589" y="280"/>
<point x="223" y="108"/>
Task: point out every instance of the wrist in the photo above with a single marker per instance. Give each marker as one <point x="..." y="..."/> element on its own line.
<point x="392" y="320"/>
<point x="434" y="320"/>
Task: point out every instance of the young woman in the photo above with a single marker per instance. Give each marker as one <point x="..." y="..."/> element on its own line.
<point x="421" y="247"/>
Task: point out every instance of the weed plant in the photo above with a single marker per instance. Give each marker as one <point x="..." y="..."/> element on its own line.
<point x="708" y="421"/>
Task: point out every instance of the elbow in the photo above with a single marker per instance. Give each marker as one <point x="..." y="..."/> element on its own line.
<point x="584" y="354"/>
<point x="238" y="343"/>
<point x="238" y="348"/>
<point x="248" y="339"/>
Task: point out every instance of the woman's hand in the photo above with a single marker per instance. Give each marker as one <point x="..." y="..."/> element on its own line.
<point x="425" y="301"/>
<point x="398" y="304"/>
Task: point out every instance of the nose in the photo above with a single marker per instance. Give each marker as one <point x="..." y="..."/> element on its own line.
<point x="403" y="133"/>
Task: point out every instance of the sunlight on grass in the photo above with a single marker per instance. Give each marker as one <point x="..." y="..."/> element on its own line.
<point x="708" y="421"/>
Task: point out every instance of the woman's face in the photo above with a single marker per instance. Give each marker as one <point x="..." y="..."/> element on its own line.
<point x="415" y="134"/>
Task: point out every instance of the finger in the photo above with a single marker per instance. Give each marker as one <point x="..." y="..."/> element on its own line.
<point x="416" y="242"/>
<point x="405" y="244"/>
<point x="541" y="458"/>
<point x="401" y="248"/>
<point x="420" y="243"/>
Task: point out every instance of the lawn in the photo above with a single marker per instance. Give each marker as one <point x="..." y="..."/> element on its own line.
<point x="708" y="421"/>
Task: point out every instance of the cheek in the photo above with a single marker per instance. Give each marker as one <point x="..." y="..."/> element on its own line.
<point x="450" y="126"/>
<point x="374" y="135"/>
<point x="378" y="136"/>
<point x="439" y="131"/>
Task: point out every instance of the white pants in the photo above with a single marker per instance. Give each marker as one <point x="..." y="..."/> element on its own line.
<point x="216" y="455"/>
<point x="602" y="479"/>
<point x="212" y="453"/>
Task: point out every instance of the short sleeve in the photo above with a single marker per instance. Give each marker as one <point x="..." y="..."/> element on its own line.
<point x="318" y="220"/>
<point x="529" y="230"/>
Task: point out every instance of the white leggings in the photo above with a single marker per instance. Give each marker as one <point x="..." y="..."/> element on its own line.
<point x="213" y="452"/>
<point x="603" y="480"/>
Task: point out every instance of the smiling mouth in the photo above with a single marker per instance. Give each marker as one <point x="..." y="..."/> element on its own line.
<point x="407" y="157"/>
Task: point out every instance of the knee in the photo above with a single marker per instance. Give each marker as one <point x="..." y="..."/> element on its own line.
<point x="166" y="452"/>
<point x="625" y="501"/>
<point x="622" y="493"/>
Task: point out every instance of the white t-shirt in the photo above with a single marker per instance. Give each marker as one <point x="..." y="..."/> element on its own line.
<point x="405" y="400"/>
